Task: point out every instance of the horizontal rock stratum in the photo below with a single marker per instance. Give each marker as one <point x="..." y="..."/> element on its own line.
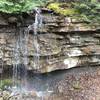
<point x="64" y="43"/>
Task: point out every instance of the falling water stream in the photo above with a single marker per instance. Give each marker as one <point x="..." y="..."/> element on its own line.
<point x="37" y="25"/>
<point x="21" y="81"/>
<point x="21" y="60"/>
<point x="16" y="61"/>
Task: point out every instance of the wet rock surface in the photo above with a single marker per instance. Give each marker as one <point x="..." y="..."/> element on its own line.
<point x="63" y="43"/>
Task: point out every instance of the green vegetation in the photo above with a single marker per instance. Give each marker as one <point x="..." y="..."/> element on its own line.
<point x="6" y="82"/>
<point x="58" y="8"/>
<point x="76" y="85"/>
<point x="18" y="6"/>
<point x="89" y="10"/>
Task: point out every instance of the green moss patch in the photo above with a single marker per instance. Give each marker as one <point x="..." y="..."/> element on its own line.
<point x="62" y="8"/>
<point x="6" y="82"/>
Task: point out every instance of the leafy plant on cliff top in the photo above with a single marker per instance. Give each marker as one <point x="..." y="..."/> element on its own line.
<point x="89" y="10"/>
<point x="62" y="8"/>
<point x="17" y="6"/>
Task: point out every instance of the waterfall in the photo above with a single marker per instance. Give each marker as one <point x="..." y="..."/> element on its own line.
<point x="37" y="25"/>
<point x="16" y="61"/>
<point x="24" y="37"/>
<point x="20" y="52"/>
<point x="20" y="59"/>
<point x="1" y="71"/>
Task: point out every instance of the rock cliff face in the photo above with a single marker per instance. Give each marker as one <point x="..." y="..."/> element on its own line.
<point x="64" y="42"/>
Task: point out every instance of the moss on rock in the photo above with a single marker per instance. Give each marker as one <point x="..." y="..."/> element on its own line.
<point x="6" y="82"/>
<point x="62" y="8"/>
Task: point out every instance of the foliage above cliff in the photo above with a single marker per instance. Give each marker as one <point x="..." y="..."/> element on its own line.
<point x="62" y="8"/>
<point x="88" y="10"/>
<point x="18" y="6"/>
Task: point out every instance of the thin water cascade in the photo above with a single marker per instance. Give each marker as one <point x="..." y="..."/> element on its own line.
<point x="16" y="61"/>
<point x="37" y="25"/>
<point x="20" y="61"/>
<point x="25" y="56"/>
<point x="1" y="72"/>
<point x="20" y="52"/>
<point x="24" y="37"/>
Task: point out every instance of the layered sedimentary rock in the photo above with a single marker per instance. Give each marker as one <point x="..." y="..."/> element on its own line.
<point x="64" y="42"/>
